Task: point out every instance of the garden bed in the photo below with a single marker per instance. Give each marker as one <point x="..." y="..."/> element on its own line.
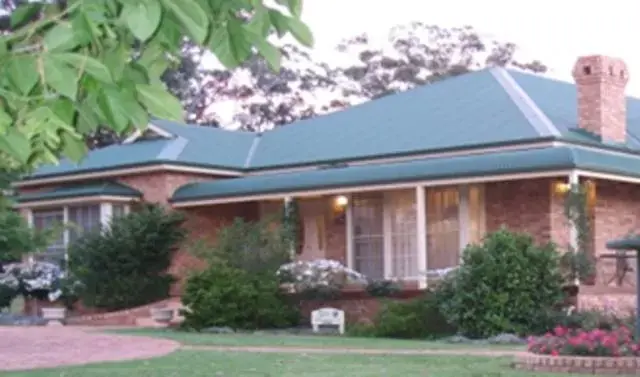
<point x="594" y="365"/>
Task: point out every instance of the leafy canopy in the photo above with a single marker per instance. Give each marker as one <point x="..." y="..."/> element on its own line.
<point x="67" y="67"/>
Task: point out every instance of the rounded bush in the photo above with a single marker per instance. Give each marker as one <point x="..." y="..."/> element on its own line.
<point x="223" y="296"/>
<point x="501" y="285"/>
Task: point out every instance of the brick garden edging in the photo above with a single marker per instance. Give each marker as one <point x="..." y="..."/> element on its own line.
<point x="578" y="364"/>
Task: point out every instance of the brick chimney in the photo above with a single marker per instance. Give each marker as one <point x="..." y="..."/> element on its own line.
<point x="602" y="108"/>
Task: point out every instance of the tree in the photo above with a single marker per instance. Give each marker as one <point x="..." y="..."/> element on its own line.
<point x="254" y="98"/>
<point x="69" y="66"/>
<point x="418" y="54"/>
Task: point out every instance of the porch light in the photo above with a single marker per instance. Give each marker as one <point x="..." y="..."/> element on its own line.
<point x="341" y="201"/>
<point x="561" y="187"/>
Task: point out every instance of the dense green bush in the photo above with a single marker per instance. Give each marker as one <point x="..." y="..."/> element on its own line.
<point x="241" y="288"/>
<point x="419" y="318"/>
<point x="501" y="285"/>
<point x="224" y="296"/>
<point x="127" y="264"/>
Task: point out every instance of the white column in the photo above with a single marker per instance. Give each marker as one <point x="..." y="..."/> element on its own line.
<point x="574" y="181"/>
<point x="463" y="218"/>
<point x="349" y="233"/>
<point x="387" y="238"/>
<point x="421" y="223"/>
<point x="106" y="213"/>
<point x="65" y="233"/>
<point x="29" y="214"/>
<point x="287" y="203"/>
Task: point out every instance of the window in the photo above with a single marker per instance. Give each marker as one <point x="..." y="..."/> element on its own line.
<point x="368" y="235"/>
<point x="443" y="233"/>
<point x="47" y="219"/>
<point x="83" y="219"/>
<point x="78" y="220"/>
<point x="384" y="230"/>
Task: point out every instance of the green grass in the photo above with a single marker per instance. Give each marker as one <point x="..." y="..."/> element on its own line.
<point x="268" y="340"/>
<point x="230" y="364"/>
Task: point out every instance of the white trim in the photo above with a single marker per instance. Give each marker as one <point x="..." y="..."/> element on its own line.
<point x="536" y="117"/>
<point x="374" y="187"/>
<point x="76" y="200"/>
<point x="349" y="232"/>
<point x="465" y="152"/>
<point x="607" y="176"/>
<point x="65" y="233"/>
<point x="463" y="218"/>
<point x="126" y="171"/>
<point x="421" y="223"/>
<point x="387" y="237"/>
<point x="29" y="215"/>
<point x="106" y="213"/>
<point x="151" y="127"/>
<point x="287" y="201"/>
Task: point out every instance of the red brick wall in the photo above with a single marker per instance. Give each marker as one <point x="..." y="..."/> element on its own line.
<point x="526" y="206"/>
<point x="159" y="187"/>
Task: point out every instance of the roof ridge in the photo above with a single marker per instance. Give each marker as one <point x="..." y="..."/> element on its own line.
<point x="536" y="117"/>
<point x="252" y="149"/>
<point x="173" y="149"/>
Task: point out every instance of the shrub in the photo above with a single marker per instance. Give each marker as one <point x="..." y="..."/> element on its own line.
<point x="127" y="264"/>
<point x="419" y="318"/>
<point x="319" y="279"/>
<point x="598" y="342"/>
<point x="241" y="288"/>
<point x="224" y="296"/>
<point x="500" y="284"/>
<point x="18" y="238"/>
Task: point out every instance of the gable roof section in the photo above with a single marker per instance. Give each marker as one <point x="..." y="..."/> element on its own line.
<point x="112" y="189"/>
<point x="551" y="160"/>
<point x="190" y="146"/>
<point x="490" y="107"/>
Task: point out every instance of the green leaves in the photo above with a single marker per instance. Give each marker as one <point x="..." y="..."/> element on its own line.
<point x="59" y="76"/>
<point x="143" y="18"/>
<point x="65" y="71"/>
<point x="159" y="102"/>
<point x="192" y="16"/>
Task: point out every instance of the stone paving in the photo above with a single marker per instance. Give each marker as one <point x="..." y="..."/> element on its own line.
<point x="45" y="347"/>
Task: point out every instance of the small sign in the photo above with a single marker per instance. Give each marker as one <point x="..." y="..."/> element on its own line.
<point x="327" y="317"/>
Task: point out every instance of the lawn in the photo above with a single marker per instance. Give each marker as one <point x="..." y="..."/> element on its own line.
<point x="230" y="364"/>
<point x="268" y="340"/>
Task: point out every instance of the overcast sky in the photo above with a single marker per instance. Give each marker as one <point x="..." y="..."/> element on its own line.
<point x="553" y="31"/>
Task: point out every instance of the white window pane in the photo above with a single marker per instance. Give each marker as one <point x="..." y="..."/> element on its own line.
<point x="117" y="211"/>
<point x="403" y="218"/>
<point x="368" y="235"/>
<point x="443" y="228"/>
<point x="47" y="219"/>
<point x="83" y="219"/>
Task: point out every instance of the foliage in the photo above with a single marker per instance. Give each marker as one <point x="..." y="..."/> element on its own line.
<point x="70" y="66"/>
<point x="419" y="318"/>
<point x="18" y="238"/>
<point x="225" y="296"/>
<point x="319" y="279"/>
<point x="255" y="98"/>
<point x="249" y="246"/>
<point x="40" y="280"/>
<point x="598" y="342"/>
<point x="126" y="264"/>
<point x="499" y="284"/>
<point x="382" y="288"/>
<point x="578" y="262"/>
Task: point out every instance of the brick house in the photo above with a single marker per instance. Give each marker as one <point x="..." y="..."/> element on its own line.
<point x="393" y="187"/>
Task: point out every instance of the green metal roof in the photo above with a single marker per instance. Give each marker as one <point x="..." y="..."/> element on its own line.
<point x="488" y="107"/>
<point x="74" y="191"/>
<point x="523" y="161"/>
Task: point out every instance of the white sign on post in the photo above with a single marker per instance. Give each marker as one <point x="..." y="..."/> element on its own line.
<point x="327" y="317"/>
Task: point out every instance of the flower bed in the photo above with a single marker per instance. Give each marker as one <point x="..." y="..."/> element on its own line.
<point x="598" y="351"/>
